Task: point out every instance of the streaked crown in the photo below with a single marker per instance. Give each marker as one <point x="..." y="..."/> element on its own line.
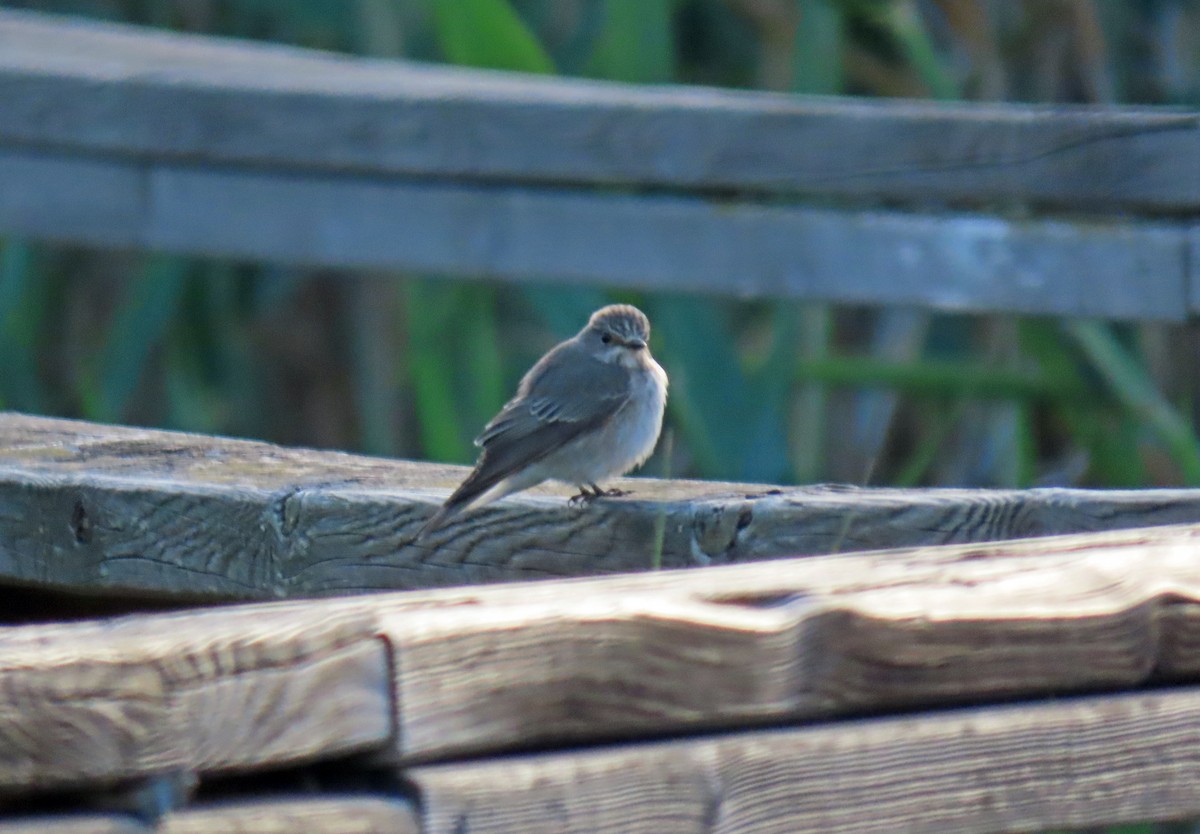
<point x="624" y="321"/>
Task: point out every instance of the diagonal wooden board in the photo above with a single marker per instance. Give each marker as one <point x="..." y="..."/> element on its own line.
<point x="1050" y="765"/>
<point x="482" y="670"/>
<point x="98" y="509"/>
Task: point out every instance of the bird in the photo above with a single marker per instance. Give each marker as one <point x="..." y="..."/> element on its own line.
<point x="589" y="410"/>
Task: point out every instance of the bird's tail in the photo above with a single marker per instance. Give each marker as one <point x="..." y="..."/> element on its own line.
<point x="469" y="492"/>
<point x="444" y="514"/>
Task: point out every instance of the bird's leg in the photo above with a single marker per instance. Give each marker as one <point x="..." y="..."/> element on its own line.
<point x="587" y="496"/>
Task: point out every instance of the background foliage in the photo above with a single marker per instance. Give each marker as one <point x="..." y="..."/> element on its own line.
<point x="413" y="365"/>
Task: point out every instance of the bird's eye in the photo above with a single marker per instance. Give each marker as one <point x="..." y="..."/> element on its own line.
<point x="606" y="338"/>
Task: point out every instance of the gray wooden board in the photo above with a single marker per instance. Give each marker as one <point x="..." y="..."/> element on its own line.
<point x="1128" y="270"/>
<point x="135" y="92"/>
<point x="102" y="509"/>
<point x="80" y="200"/>
<point x="1065" y="764"/>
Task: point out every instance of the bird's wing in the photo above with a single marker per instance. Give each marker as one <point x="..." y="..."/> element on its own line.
<point x="551" y="398"/>
<point x="551" y="409"/>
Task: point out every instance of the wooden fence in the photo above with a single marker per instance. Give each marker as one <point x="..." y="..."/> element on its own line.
<point x="966" y="683"/>
<point x="122" y="137"/>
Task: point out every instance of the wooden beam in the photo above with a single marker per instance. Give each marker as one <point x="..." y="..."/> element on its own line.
<point x="81" y="823"/>
<point x="553" y="663"/>
<point x="267" y="815"/>
<point x="131" y="92"/>
<point x="314" y="815"/>
<point x="649" y="242"/>
<point x="102" y="509"/>
<point x="1066" y="764"/>
<point x="481" y="670"/>
<point x="111" y="700"/>
<point x="231" y="149"/>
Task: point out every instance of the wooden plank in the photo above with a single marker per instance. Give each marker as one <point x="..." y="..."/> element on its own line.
<point x="110" y="700"/>
<point x="311" y="815"/>
<point x="537" y="665"/>
<point x="82" y="823"/>
<point x="1193" y="273"/>
<point x="489" y="669"/>
<point x="136" y="92"/>
<point x="97" y="509"/>
<point x="1065" y="764"/>
<point x="93" y="201"/>
<point x="318" y="815"/>
<point x="949" y="261"/>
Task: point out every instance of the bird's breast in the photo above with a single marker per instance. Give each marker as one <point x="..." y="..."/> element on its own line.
<point x="624" y="442"/>
<point x="631" y="435"/>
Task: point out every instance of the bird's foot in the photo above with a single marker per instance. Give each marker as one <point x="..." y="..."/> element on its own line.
<point x="587" y="496"/>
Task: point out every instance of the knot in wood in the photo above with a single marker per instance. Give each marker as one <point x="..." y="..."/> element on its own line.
<point x="715" y="531"/>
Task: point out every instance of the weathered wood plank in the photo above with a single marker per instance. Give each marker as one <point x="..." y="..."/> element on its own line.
<point x="72" y="824"/>
<point x="106" y="509"/>
<point x="135" y="92"/>
<point x="952" y="262"/>
<point x="319" y="815"/>
<point x="488" y="669"/>
<point x="510" y="667"/>
<point x="111" y="700"/>
<point x="1055" y="765"/>
<point x="313" y="815"/>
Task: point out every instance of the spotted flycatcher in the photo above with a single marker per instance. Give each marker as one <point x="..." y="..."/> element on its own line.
<point x="589" y="410"/>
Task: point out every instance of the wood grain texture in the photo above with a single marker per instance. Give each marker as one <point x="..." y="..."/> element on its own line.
<point x="110" y="700"/>
<point x="1054" y="765"/>
<point x="317" y="815"/>
<point x="520" y="667"/>
<point x="81" y="823"/>
<point x="102" y="509"/>
<point x="483" y="670"/>
<point x="330" y="814"/>
<point x="126" y="91"/>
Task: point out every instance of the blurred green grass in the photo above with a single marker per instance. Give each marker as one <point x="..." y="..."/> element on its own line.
<point x="413" y="365"/>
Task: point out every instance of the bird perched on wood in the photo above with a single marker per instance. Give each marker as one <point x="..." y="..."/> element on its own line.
<point x="589" y="410"/>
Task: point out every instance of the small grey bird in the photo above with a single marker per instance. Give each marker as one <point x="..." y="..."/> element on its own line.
<point x="589" y="410"/>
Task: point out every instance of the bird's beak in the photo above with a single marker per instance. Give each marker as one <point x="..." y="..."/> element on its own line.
<point x="635" y="344"/>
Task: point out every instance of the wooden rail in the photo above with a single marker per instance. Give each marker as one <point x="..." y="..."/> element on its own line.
<point x="119" y="136"/>
<point x="104" y="509"/>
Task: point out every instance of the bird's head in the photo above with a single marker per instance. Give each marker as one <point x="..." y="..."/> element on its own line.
<point x="618" y="333"/>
